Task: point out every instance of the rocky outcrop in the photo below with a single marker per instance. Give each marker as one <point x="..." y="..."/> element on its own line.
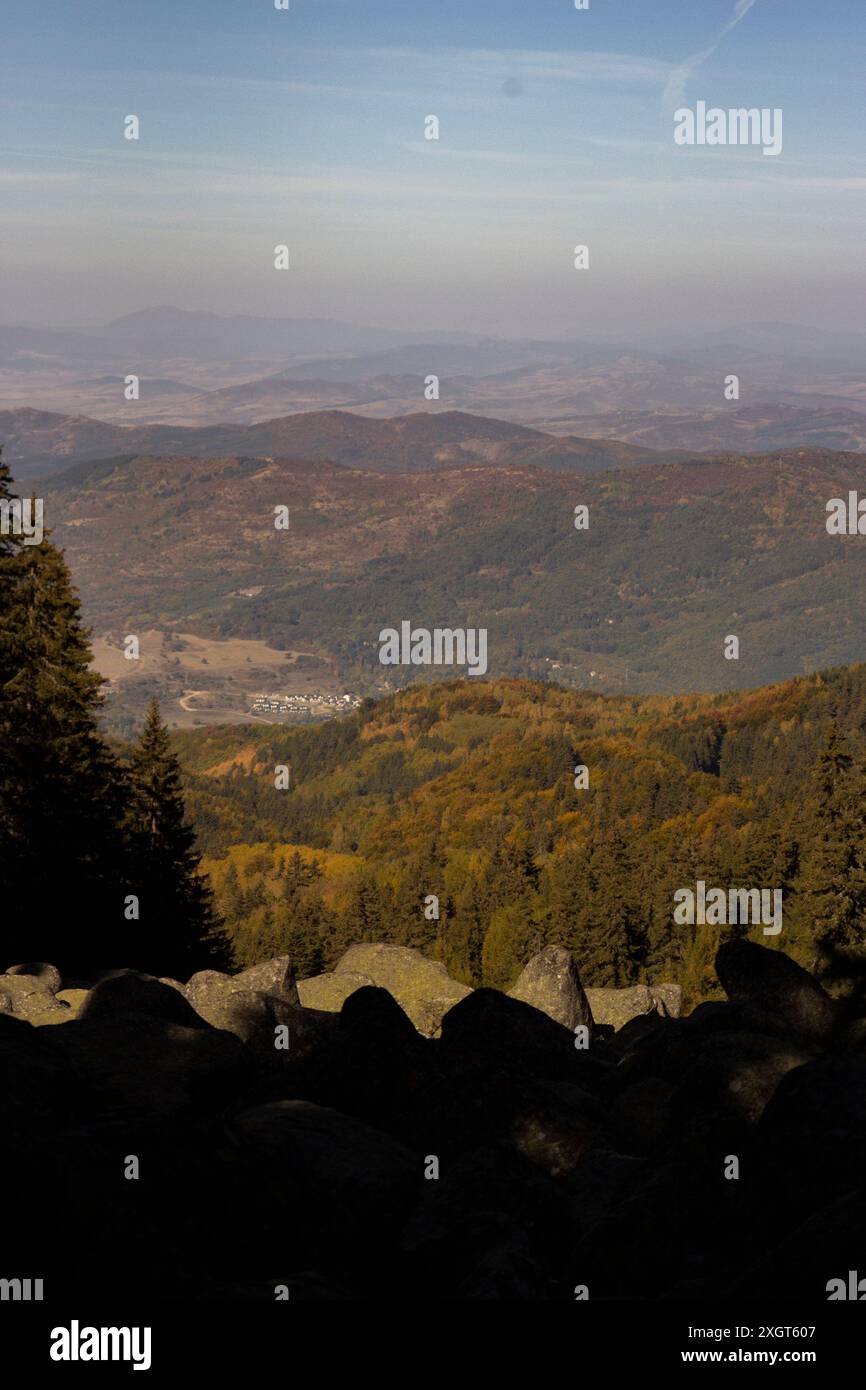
<point x="422" y="987"/>
<point x="330" y="991"/>
<point x="275" y="977"/>
<point x="550" y="982"/>
<point x="48" y="976"/>
<point x="258" y="1018"/>
<point x="130" y="992"/>
<point x="615" y="1007"/>
<point x="667" y="999"/>
<point x="770" y="980"/>
<point x="27" y="997"/>
<point x="676" y="1158"/>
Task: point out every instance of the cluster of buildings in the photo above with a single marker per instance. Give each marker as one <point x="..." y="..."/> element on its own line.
<point x="315" y="703"/>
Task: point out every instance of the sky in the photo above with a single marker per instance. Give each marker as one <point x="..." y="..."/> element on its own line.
<point x="305" y="127"/>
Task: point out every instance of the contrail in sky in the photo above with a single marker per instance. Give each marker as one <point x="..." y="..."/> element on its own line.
<point x="676" y="84"/>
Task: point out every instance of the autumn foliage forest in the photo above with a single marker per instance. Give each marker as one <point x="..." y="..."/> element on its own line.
<point x="466" y="791"/>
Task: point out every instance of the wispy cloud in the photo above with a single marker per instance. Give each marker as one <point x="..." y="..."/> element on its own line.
<point x="10" y="176"/>
<point x="682" y="74"/>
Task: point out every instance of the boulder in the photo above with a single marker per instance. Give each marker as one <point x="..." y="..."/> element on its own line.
<point x="551" y="983"/>
<point x="251" y="1016"/>
<point x="813" y="1133"/>
<point x="486" y="1228"/>
<point x="275" y="977"/>
<point x="667" y="999"/>
<point x="369" y="1062"/>
<point x="254" y="1016"/>
<point x="490" y="1029"/>
<point x="736" y="1074"/>
<point x="351" y="1184"/>
<point x="330" y="991"/>
<point x="373" y="1012"/>
<point x="639" y="1248"/>
<point x="423" y="988"/>
<point x="25" y="997"/>
<point x="720" y="1015"/>
<point x="829" y="1243"/>
<point x="617" y="1006"/>
<point x="136" y="1064"/>
<point x="641" y="1113"/>
<point x="206" y="979"/>
<point x="47" y="975"/>
<point x="37" y="1088"/>
<point x="770" y="980"/>
<point x="129" y="991"/>
<point x="73" y="997"/>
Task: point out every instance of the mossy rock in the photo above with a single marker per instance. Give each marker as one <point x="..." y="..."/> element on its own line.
<point x="330" y="991"/>
<point x="423" y="988"/>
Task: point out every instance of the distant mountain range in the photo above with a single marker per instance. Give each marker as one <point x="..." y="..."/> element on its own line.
<point x="37" y="442"/>
<point x="797" y="384"/>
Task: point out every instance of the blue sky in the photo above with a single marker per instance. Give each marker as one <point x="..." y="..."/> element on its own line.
<point x="307" y="127"/>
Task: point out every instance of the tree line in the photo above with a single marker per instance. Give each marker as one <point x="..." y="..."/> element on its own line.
<point x="97" y="859"/>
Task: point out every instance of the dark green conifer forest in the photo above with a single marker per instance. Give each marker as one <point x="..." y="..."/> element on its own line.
<point x="98" y="865"/>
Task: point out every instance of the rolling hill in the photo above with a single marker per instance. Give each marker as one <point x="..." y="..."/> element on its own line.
<point x="465" y="789"/>
<point x="676" y="558"/>
<point x="38" y="442"/>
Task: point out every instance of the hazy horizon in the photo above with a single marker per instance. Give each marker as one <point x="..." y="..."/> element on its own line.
<point x="305" y="127"/>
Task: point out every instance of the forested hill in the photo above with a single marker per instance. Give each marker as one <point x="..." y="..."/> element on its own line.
<point x="674" y="557"/>
<point x="466" y="791"/>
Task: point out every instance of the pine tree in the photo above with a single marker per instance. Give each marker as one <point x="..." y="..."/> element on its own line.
<point x="231" y="897"/>
<point x="302" y="928"/>
<point x="60" y="788"/>
<point x="607" y="946"/>
<point x="179" y="931"/>
<point x="832" y="885"/>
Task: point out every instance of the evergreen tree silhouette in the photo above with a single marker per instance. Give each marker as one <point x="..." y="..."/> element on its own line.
<point x="178" y="930"/>
<point x="61" y="790"/>
<point x="832" y="885"/>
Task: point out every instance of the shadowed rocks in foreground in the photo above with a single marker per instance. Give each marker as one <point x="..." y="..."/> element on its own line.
<point x="218" y="1138"/>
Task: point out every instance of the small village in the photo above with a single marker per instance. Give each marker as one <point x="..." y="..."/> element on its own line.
<point x="316" y="703"/>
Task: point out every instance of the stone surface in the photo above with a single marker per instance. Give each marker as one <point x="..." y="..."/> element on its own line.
<point x="617" y="1006"/>
<point x="47" y="975"/>
<point x="330" y="991"/>
<point x="770" y="980"/>
<point x="135" y="1064"/>
<point x="489" y="1028"/>
<point x="275" y="977"/>
<point x="26" y="997"/>
<point x="73" y="997"/>
<point x="737" y="1074"/>
<point x="129" y="991"/>
<point x="550" y="982"/>
<point x="423" y="988"/>
<point x="248" y="1014"/>
<point x="667" y="999"/>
